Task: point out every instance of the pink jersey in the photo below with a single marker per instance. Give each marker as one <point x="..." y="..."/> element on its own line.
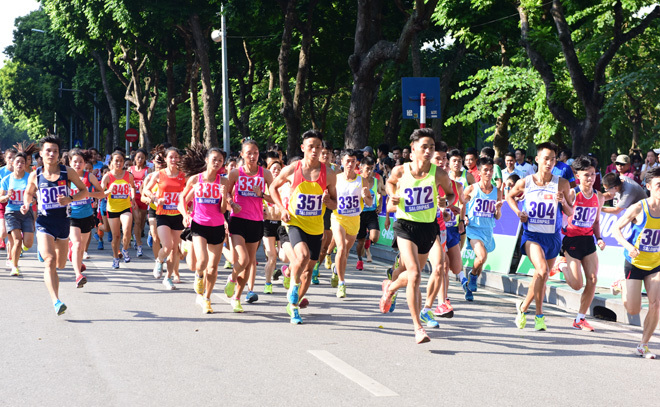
<point x="251" y="204"/>
<point x="206" y="202"/>
<point x="581" y="223"/>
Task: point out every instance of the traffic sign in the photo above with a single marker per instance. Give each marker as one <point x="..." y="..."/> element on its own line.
<point x="411" y="91"/>
<point x="131" y="135"/>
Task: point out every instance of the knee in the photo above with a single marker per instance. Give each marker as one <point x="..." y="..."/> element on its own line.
<point x="632" y="308"/>
<point x="654" y="306"/>
<point x="592" y="280"/>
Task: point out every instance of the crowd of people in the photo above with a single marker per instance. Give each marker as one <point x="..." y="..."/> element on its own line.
<point x="201" y="205"/>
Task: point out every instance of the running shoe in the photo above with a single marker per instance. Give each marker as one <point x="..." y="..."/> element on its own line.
<point x="328" y="261"/>
<point x="444" y="310"/>
<point x="468" y="293"/>
<point x="85" y="256"/>
<point x="25" y="248"/>
<point x="643" y="351"/>
<point x="421" y="336"/>
<point x="82" y="267"/>
<point x="583" y="325"/>
<point x="367" y="251"/>
<point x="393" y="306"/>
<point x="41" y="259"/>
<point x="150" y="241"/>
<point x="429" y="319"/>
<point x="133" y="242"/>
<point x="96" y="237"/>
<point x="472" y="282"/>
<point x="70" y="252"/>
<point x="360" y="265"/>
<point x="341" y="291"/>
<point x="110" y="237"/>
<point x="277" y="274"/>
<point x="617" y="287"/>
<point x="199" y="300"/>
<point x="115" y="263"/>
<point x="139" y="251"/>
<point x="81" y="280"/>
<point x="521" y="317"/>
<point x="59" y="307"/>
<point x="169" y="284"/>
<point x="315" y="274"/>
<point x="334" y="280"/>
<point x="176" y="279"/>
<point x="199" y="284"/>
<point x="206" y="307"/>
<point x="334" y="251"/>
<point x="127" y="258"/>
<point x="304" y="303"/>
<point x="389" y="273"/>
<point x="158" y="269"/>
<point x="100" y="245"/>
<point x="397" y="259"/>
<point x="251" y="297"/>
<point x="228" y="265"/>
<point x="539" y="323"/>
<point x="386" y="298"/>
<point x="229" y="287"/>
<point x="15" y="272"/>
<point x="236" y="305"/>
<point x="268" y="288"/>
<point x="292" y="294"/>
<point x="293" y="312"/>
<point x="2" y="244"/>
<point x="9" y="264"/>
<point x="560" y="263"/>
<point x="286" y="282"/>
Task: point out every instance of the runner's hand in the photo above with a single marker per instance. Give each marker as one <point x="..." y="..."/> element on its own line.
<point x="235" y="208"/>
<point x="601" y="244"/>
<point x="523" y="216"/>
<point x="387" y="222"/>
<point x="24" y="209"/>
<point x="633" y="252"/>
<point x="455" y="209"/>
<point x="498" y="205"/>
<point x="286" y="217"/>
<point x="395" y="200"/>
<point x="256" y="188"/>
<point x="61" y="198"/>
<point x="326" y="197"/>
<point x="560" y="198"/>
<point x="187" y="220"/>
<point x="365" y="192"/>
<point x="442" y="201"/>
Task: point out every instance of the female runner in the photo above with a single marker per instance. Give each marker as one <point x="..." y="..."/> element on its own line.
<point x="139" y="171"/>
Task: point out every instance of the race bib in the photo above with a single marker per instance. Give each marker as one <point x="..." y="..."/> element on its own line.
<point x="309" y="205"/>
<point x="81" y="202"/>
<point x="207" y="193"/>
<point x="245" y="185"/>
<point x="120" y="191"/>
<point x="584" y="217"/>
<point x="649" y="241"/>
<point x="171" y="200"/>
<point x="541" y="213"/>
<point x="483" y="208"/>
<point x="48" y="196"/>
<point x="348" y="205"/>
<point x="418" y="199"/>
<point x="452" y="222"/>
<point x="16" y="197"/>
<point x="138" y="185"/>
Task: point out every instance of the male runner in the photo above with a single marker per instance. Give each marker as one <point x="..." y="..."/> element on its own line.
<point x="51" y="182"/>
<point x="369" y="226"/>
<point x="545" y="197"/>
<point x="413" y="190"/>
<point x="312" y="191"/>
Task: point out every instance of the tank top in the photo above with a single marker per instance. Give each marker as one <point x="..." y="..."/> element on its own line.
<point x="206" y="202"/>
<point x="82" y="208"/>
<point x="439" y="212"/>
<point x="169" y="189"/>
<point x="49" y="190"/>
<point x="120" y="192"/>
<point x="306" y="205"/>
<point x="541" y="205"/>
<point x="138" y="179"/>
<point x="453" y="221"/>
<point x="646" y="238"/>
<point x="374" y="196"/>
<point x="251" y="204"/>
<point x="480" y="210"/>
<point x="584" y="214"/>
<point x="18" y="187"/>
<point x="419" y="197"/>
<point x="349" y="196"/>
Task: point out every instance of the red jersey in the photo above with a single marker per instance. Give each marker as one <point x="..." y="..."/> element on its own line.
<point x="584" y="214"/>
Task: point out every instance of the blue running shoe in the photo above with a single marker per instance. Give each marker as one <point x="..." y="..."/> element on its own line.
<point x="251" y="297"/>
<point x="292" y="295"/>
<point x="429" y="319"/>
<point x="100" y="245"/>
<point x="393" y="306"/>
<point x="468" y="292"/>
<point x="150" y="241"/>
<point x="315" y="274"/>
<point x="472" y="282"/>
<point x="294" y="313"/>
<point x="389" y="273"/>
<point x="115" y="263"/>
<point x="41" y="259"/>
<point x="110" y="237"/>
<point x="60" y="307"/>
<point x="97" y="237"/>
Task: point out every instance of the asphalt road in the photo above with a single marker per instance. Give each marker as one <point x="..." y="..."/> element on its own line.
<point x="125" y="340"/>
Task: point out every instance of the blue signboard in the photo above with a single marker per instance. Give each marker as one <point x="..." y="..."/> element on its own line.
<point x="412" y="88"/>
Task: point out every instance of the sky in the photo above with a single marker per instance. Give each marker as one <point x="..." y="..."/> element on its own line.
<point x="10" y="10"/>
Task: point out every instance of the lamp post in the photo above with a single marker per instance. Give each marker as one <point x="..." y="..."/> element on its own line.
<point x="221" y="36"/>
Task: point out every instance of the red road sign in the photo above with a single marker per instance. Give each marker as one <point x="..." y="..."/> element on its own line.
<point x="131" y="135"/>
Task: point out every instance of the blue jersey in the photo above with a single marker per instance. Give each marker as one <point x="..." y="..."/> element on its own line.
<point x="374" y="196"/>
<point x="82" y="208"/>
<point x="480" y="210"/>
<point x="18" y="186"/>
<point x="48" y="191"/>
<point x="563" y="170"/>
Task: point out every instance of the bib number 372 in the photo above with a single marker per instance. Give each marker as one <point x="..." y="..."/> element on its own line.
<point x="418" y="198"/>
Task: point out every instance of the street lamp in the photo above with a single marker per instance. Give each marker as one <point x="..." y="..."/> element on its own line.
<point x="221" y="36"/>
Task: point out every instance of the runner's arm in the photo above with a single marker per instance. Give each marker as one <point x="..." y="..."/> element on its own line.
<point x="28" y="195"/>
<point x="517" y="189"/>
<point x="596" y="226"/>
<point x="631" y="214"/>
<point x="443" y="181"/>
<point x="498" y="205"/>
<point x="82" y="193"/>
<point x="274" y="187"/>
<point x="563" y="192"/>
<point x="331" y="200"/>
<point x="98" y="190"/>
<point x="268" y="179"/>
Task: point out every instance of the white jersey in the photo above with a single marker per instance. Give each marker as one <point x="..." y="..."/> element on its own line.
<point x="349" y="196"/>
<point x="541" y="206"/>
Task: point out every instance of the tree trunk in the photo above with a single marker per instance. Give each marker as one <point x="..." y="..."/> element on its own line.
<point x="171" y="105"/>
<point x="112" y="105"/>
<point x="208" y="98"/>
<point x="501" y="136"/>
<point x="393" y="124"/>
<point x="195" y="138"/>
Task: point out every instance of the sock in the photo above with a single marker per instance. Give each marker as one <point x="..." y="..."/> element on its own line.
<point x="425" y="310"/>
<point x="461" y="276"/>
<point x="359" y="258"/>
<point x="463" y="280"/>
<point x="579" y="317"/>
<point x="341" y="283"/>
<point x="539" y="316"/>
<point x="367" y="244"/>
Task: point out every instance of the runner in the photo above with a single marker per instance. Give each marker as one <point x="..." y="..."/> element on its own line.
<point x="312" y="191"/>
<point x="10" y="153"/>
<point x="153" y="240"/>
<point x="369" y="226"/>
<point x="578" y="244"/>
<point x="81" y="212"/>
<point x="328" y="243"/>
<point x="19" y="226"/>
<point x="483" y="208"/>
<point x="169" y="222"/>
<point x="246" y="185"/>
<point x="119" y="188"/>
<point x="208" y="192"/>
<point x="459" y="174"/>
<point x="352" y="195"/>
<point x="50" y="183"/>
<point x="139" y="171"/>
<point x="413" y="191"/>
<point x="545" y="199"/>
<point x="272" y="224"/>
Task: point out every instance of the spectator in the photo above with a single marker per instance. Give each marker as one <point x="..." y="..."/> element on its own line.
<point x="383" y="151"/>
<point x="523" y="167"/>
<point x="564" y="155"/>
<point x="612" y="167"/>
<point x="396" y="153"/>
<point x="470" y="162"/>
<point x="564" y="170"/>
<point x="624" y="167"/>
<point x="405" y="153"/>
<point x="368" y="152"/>
<point x="599" y="178"/>
<point x="651" y="161"/>
<point x="623" y="189"/>
<point x="497" y="170"/>
<point x="510" y="167"/>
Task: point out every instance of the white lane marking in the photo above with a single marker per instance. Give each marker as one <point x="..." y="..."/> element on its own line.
<point x="353" y="374"/>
